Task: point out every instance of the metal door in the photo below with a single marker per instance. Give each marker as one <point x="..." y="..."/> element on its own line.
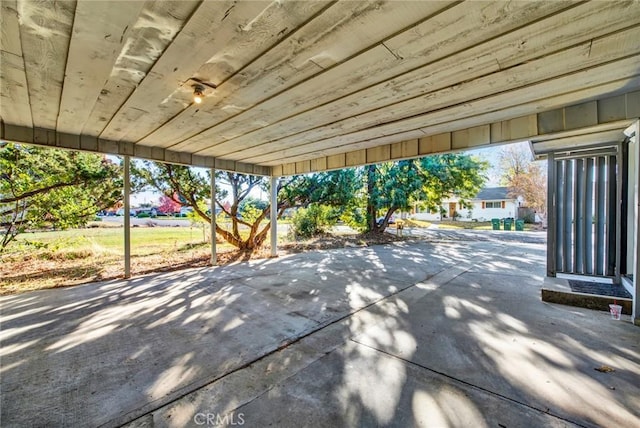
<point x="584" y="212"/>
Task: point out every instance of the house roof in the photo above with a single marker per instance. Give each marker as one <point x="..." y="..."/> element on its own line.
<point x="493" y="193"/>
<point x="294" y="87"/>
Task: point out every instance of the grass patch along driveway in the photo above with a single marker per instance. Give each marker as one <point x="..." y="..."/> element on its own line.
<point x="61" y="258"/>
<point x="53" y="259"/>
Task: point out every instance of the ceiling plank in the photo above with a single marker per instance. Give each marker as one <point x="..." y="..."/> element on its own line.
<point x="14" y="92"/>
<point x="157" y="91"/>
<point x="10" y="28"/>
<point x="316" y="46"/>
<point x="501" y="106"/>
<point x="225" y="37"/>
<point x="559" y="101"/>
<point x="155" y="29"/>
<point x="440" y="38"/>
<point x="94" y="48"/>
<point x="45" y="30"/>
<point x="578" y="58"/>
<point x="461" y="67"/>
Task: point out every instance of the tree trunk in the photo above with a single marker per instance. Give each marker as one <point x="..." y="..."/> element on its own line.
<point x="371" y="207"/>
<point x="385" y="223"/>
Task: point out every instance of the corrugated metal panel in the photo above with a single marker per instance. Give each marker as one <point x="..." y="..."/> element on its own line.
<point x="585" y="218"/>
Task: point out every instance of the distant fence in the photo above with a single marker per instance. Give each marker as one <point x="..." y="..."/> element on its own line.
<point x="527" y="214"/>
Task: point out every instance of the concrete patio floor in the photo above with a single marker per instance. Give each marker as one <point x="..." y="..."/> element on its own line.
<point x="411" y="334"/>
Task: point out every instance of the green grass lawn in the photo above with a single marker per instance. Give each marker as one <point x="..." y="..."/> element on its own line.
<point x="57" y="258"/>
<point x="109" y="241"/>
<point x="415" y="223"/>
<point x="144" y="241"/>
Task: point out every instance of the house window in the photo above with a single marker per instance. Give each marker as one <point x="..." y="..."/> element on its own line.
<point x="495" y="204"/>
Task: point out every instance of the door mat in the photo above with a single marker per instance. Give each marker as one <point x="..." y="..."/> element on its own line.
<point x="599" y="289"/>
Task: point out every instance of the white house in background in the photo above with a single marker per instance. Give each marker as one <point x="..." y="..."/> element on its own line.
<point x="490" y="202"/>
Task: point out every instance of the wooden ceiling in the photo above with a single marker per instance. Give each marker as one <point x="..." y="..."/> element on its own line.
<point x="301" y="81"/>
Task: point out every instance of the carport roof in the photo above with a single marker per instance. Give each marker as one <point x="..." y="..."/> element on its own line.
<point x="293" y="87"/>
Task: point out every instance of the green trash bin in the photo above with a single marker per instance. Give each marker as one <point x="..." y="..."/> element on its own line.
<point x="520" y="225"/>
<point x="507" y="224"/>
<point x="495" y="222"/>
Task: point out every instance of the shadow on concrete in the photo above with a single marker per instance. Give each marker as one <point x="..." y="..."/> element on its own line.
<point x="396" y="335"/>
<point x="104" y="353"/>
<point x="476" y="348"/>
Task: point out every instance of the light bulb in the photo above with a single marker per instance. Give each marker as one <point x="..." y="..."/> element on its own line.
<point x="198" y="93"/>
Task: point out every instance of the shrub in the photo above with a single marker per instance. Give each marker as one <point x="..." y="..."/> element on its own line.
<point x="355" y="218"/>
<point x="312" y="221"/>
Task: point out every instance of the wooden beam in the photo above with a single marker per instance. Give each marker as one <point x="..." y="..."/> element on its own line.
<point x="507" y="131"/>
<point x="356" y="158"/>
<point x="147" y="39"/>
<point x="93" y="50"/>
<point x="45" y="30"/>
<point x="471" y="137"/>
<point x="435" y="144"/>
<point x="242" y="32"/>
<point x="277" y="171"/>
<point x="378" y="154"/>
<point x="549" y="103"/>
<point x="303" y="167"/>
<point x="10" y="28"/>
<point x="336" y="161"/>
<point x="502" y="106"/>
<point x="289" y="169"/>
<point x="159" y="95"/>
<point x="317" y="46"/>
<point x="514" y="129"/>
<point x="437" y="39"/>
<point x="590" y="54"/>
<point x="466" y="64"/>
<point x="631" y="102"/>
<point x="51" y="138"/>
<point x="14" y="92"/>
<point x="318" y="164"/>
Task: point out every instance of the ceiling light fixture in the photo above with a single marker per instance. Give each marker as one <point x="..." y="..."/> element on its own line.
<point x="198" y="93"/>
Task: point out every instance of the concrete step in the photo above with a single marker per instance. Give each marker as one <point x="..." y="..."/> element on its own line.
<point x="558" y="290"/>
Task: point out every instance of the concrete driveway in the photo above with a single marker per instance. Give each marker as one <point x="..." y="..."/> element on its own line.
<point x="412" y="334"/>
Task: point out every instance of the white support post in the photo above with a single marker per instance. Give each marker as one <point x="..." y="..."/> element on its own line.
<point x="635" y="312"/>
<point x="127" y="218"/>
<point x="274" y="216"/>
<point x="214" y="256"/>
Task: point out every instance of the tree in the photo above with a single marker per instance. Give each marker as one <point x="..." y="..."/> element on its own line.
<point x="323" y="197"/>
<point x="247" y="230"/>
<point x="168" y="205"/>
<point x="333" y="188"/>
<point x="514" y="161"/>
<point x="524" y="177"/>
<point x="40" y="186"/>
<point x="185" y="186"/>
<point x="399" y="185"/>
<point x="252" y="204"/>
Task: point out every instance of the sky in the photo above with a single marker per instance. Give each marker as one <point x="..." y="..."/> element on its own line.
<point x="492" y="155"/>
